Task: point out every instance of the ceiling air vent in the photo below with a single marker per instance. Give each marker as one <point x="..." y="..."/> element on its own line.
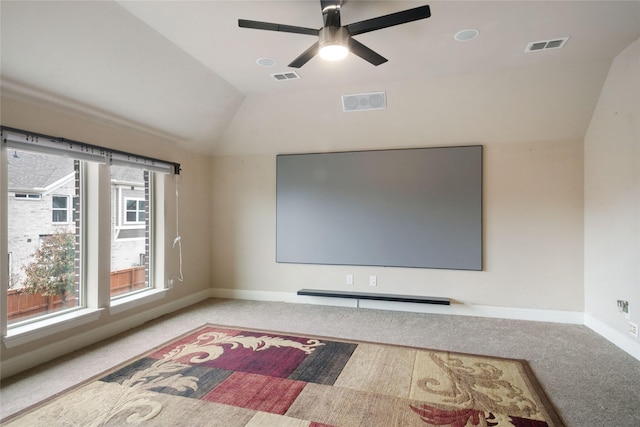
<point x="546" y="44"/>
<point x="289" y="75"/>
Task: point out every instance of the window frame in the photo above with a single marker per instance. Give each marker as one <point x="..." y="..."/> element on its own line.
<point x="27" y="196"/>
<point x="156" y="275"/>
<point x="79" y="227"/>
<point x="95" y="239"/>
<point x="118" y="212"/>
<point x="138" y="211"/>
<point x="67" y="210"/>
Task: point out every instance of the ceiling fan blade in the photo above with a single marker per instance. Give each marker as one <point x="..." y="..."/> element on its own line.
<point x="259" y="25"/>
<point x="390" y="20"/>
<point x="365" y="53"/>
<point x="305" y="56"/>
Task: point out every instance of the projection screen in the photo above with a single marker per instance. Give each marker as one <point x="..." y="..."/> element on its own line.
<point x="397" y="208"/>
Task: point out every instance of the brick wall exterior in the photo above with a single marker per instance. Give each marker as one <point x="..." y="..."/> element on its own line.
<point x="28" y="222"/>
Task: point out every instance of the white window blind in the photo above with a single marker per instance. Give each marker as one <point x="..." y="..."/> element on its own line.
<point x="146" y="163"/>
<point x="22" y="140"/>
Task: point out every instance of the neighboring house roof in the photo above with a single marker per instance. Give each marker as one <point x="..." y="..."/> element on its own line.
<point x="40" y="173"/>
<point x="125" y="174"/>
<point x="37" y="172"/>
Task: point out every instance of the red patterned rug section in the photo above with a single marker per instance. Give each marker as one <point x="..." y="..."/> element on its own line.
<point x="258" y="392"/>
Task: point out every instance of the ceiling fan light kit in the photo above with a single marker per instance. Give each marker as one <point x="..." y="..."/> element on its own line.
<point x="333" y="52"/>
<point x="336" y="41"/>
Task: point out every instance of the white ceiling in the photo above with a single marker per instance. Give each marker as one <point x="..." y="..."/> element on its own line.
<point x="185" y="71"/>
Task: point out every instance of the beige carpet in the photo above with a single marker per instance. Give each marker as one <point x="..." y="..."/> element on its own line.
<point x="230" y="376"/>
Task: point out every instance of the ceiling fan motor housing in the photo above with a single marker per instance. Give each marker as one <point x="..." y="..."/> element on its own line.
<point x="333" y="35"/>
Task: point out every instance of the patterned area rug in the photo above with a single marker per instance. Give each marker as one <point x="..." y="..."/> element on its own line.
<point x="222" y="376"/>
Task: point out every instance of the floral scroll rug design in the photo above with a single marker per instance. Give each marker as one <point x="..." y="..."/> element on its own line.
<point x="222" y="376"/>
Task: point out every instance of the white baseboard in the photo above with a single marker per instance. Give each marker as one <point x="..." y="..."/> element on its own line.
<point x="253" y="295"/>
<point x="44" y="354"/>
<point x="556" y="316"/>
<point x="626" y="343"/>
<point x="458" y="309"/>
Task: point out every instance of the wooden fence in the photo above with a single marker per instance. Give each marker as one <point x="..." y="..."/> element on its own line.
<point x="21" y="305"/>
<point x="127" y="280"/>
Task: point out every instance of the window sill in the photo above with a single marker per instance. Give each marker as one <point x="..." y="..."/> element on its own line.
<point x="133" y="301"/>
<point x="41" y="329"/>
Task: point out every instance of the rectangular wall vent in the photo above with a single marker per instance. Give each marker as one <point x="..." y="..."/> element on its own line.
<point x="546" y="44"/>
<point x="289" y="75"/>
<point x="364" y="101"/>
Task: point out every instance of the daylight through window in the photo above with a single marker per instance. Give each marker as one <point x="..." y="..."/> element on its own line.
<point x="130" y="222"/>
<point x="44" y="235"/>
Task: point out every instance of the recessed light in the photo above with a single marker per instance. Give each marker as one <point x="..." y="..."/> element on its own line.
<point x="465" y="35"/>
<point x="266" y="62"/>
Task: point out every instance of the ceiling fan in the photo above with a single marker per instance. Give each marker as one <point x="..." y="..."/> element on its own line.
<point x="335" y="41"/>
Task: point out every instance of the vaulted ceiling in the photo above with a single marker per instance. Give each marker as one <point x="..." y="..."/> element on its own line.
<point x="185" y="71"/>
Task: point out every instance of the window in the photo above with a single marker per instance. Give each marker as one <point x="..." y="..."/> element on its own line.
<point x="43" y="240"/>
<point x="54" y="243"/>
<point x="134" y="211"/>
<point x="60" y="209"/>
<point x="29" y="196"/>
<point x="131" y="244"/>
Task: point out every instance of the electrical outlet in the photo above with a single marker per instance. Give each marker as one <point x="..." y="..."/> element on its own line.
<point x="373" y="281"/>
<point x="633" y="329"/>
<point x="349" y="279"/>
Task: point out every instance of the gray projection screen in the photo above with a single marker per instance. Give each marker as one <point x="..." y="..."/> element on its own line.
<point x="402" y="208"/>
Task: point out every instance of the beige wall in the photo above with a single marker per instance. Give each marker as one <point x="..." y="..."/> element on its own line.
<point x="533" y="210"/>
<point x="194" y="211"/>
<point x="612" y="197"/>
<point x="538" y="230"/>
<point x="532" y="135"/>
